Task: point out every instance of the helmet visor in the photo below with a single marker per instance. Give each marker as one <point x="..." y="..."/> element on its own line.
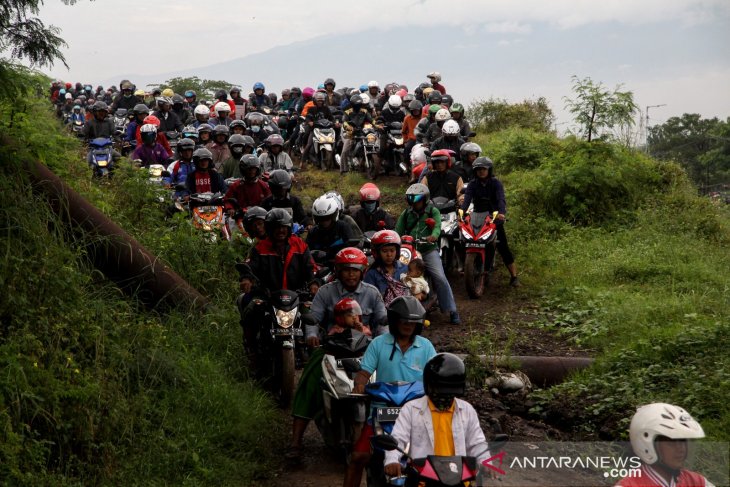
<point x="415" y="198"/>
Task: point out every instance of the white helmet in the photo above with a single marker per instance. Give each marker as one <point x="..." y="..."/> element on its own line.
<point x="395" y="102"/>
<point x="365" y="98"/>
<point x="338" y="199"/>
<point x="442" y="115"/>
<point x="69" y="96"/>
<point x="373" y="84"/>
<point x="202" y="110"/>
<point x="325" y="206"/>
<point x="434" y="76"/>
<point x="148" y="127"/>
<point x="222" y="107"/>
<point x="418" y="154"/>
<point x="451" y="127"/>
<point x="660" y="419"/>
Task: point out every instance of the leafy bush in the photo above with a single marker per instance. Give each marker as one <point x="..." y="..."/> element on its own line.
<point x="517" y="148"/>
<point x="96" y="389"/>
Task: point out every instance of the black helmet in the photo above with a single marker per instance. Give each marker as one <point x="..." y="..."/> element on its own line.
<point x="283" y="121"/>
<point x="221" y="95"/>
<point x="254" y="213"/>
<point x="415" y="105"/>
<point x="444" y="377"/>
<point x="100" y="105"/>
<point x="248" y="161"/>
<point x="184" y="144"/>
<point x="221" y="129"/>
<point x="434" y="98"/>
<point x="141" y="108"/>
<point x="279" y="178"/>
<point x="405" y="308"/>
<point x="177" y="99"/>
<point x="237" y="123"/>
<point x="330" y="81"/>
<point x="296" y="91"/>
<point x="249" y="142"/>
<point x="447" y="100"/>
<point x="356" y="100"/>
<point x="202" y="153"/>
<point x="277" y="217"/>
<point x="482" y="162"/>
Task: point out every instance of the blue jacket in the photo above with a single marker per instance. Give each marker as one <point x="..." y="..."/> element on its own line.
<point x="131" y="134"/>
<point x="179" y="171"/>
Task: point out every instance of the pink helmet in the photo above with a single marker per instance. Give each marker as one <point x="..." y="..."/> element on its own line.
<point x="307" y="93"/>
<point x="401" y="93"/>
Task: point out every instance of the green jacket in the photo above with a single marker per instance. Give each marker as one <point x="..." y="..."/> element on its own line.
<point x="413" y="224"/>
<point x="230" y="168"/>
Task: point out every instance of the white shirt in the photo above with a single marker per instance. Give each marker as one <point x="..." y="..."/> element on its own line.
<point x="415" y="426"/>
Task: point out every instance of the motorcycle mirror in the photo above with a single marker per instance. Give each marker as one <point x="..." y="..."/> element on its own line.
<point x="498" y="442"/>
<point x="430" y="223"/>
<point x="472" y="134"/>
<point x="385" y="442"/>
<point x="381" y="224"/>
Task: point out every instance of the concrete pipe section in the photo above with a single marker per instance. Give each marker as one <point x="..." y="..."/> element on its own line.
<point x="119" y="256"/>
<point x="542" y="371"/>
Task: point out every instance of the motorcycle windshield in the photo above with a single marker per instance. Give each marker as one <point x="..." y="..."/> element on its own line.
<point x="350" y="343"/>
<point x="446" y="470"/>
<point x="285" y="300"/>
<point x="477" y="220"/>
<point x="323" y="123"/>
<point x="395" y="393"/>
<point x="445" y="205"/>
<point x="100" y="143"/>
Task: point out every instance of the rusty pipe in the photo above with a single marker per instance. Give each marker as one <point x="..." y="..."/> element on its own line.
<point x="118" y="255"/>
<point x="542" y="371"/>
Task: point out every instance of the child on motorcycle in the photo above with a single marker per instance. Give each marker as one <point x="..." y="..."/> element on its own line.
<point x="347" y="316"/>
<point x="415" y="279"/>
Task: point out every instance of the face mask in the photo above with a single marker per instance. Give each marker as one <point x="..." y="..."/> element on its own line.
<point x="370" y="206"/>
<point x="255" y="129"/>
<point x="238" y="150"/>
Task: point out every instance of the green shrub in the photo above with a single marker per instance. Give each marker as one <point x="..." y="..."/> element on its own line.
<point x="517" y="148"/>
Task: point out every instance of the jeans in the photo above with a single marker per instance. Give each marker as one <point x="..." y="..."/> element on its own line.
<point x="443" y="290"/>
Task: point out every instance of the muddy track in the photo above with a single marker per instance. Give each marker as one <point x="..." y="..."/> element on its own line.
<point x="504" y="315"/>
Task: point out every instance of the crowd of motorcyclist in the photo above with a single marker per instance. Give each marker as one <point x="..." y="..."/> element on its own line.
<point x="242" y="147"/>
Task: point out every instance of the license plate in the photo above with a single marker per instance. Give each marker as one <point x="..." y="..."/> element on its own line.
<point x="297" y="332"/>
<point x="471" y="245"/>
<point x="387" y="414"/>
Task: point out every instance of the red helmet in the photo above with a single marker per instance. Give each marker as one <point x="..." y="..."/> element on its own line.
<point x="441" y="155"/>
<point x="68" y="86"/>
<point x="351" y="257"/>
<point x="369" y="192"/>
<point x="385" y="237"/>
<point x="346" y="306"/>
<point x="153" y="120"/>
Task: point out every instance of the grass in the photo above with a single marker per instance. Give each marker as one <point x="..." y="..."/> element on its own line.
<point x="95" y="389"/>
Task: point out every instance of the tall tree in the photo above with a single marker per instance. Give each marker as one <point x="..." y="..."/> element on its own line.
<point x="598" y="110"/>
<point x="25" y="37"/>
<point x="204" y="88"/>
<point x="700" y="145"/>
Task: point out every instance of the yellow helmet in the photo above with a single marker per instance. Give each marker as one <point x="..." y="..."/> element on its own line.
<point x="139" y="93"/>
<point x="168" y="92"/>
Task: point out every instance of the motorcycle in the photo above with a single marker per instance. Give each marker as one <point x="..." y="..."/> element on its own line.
<point x="281" y="337"/>
<point x="323" y="142"/>
<point x="101" y="160"/>
<point x="367" y="145"/>
<point x="436" y="471"/>
<point x="449" y="234"/>
<point x="209" y="215"/>
<point x="173" y="137"/>
<point x="479" y="240"/>
<point x="342" y="408"/>
<point x="395" y="148"/>
<point x="387" y="399"/>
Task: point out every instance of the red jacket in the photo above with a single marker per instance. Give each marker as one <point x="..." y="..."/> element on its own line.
<point x="248" y="193"/>
<point x="409" y="124"/>
<point x="647" y="477"/>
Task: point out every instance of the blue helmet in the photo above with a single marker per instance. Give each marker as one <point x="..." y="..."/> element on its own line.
<point x="258" y="86"/>
<point x="61" y="91"/>
<point x="363" y="88"/>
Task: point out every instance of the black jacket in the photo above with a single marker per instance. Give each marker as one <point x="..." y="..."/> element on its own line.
<point x="331" y="240"/>
<point x="443" y="143"/>
<point x="292" y="204"/>
<point x="170" y="123"/>
<point x="266" y="266"/>
<point x="443" y="184"/>
<point x="369" y="223"/>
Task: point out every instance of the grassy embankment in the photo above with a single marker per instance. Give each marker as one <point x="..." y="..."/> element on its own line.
<point x="94" y="388"/>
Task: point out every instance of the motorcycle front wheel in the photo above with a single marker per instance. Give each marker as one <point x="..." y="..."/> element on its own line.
<point x="474" y="272"/>
<point x="287" y="369"/>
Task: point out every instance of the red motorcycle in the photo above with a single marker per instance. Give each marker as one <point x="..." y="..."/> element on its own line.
<point x="479" y="241"/>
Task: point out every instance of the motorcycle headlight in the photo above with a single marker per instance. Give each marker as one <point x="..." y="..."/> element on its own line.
<point x="102" y="163"/>
<point x="486" y="235"/>
<point x="207" y="227"/>
<point x="330" y="139"/>
<point x="371" y="138"/>
<point x="286" y="318"/>
<point x="466" y="234"/>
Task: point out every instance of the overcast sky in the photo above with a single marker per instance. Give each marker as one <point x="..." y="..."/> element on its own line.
<point x="666" y="51"/>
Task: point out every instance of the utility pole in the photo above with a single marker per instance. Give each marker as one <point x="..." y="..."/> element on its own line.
<point x="646" y="138"/>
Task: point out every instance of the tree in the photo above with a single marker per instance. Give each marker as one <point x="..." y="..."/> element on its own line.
<point x="598" y="110"/>
<point x="204" y="88"/>
<point x="494" y="114"/>
<point x="701" y="146"/>
<point x="25" y="37"/>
